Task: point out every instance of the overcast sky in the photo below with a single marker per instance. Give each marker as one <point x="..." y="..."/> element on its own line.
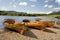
<point x="30" y="5"/>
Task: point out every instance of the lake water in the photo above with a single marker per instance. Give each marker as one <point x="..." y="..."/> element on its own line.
<point x="20" y="18"/>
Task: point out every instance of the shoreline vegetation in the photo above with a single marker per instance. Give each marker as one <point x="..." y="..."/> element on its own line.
<point x="14" y="13"/>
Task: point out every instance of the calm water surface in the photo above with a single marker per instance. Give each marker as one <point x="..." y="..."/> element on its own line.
<point x="20" y="18"/>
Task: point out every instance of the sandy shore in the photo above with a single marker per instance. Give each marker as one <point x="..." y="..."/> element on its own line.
<point x="33" y="34"/>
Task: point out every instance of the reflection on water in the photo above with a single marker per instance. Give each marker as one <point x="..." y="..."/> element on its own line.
<point x="20" y="18"/>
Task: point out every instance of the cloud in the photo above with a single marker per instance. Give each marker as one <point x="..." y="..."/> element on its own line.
<point x="13" y="0"/>
<point x="57" y="9"/>
<point x="46" y="1"/>
<point x="57" y="1"/>
<point x="33" y="0"/>
<point x="14" y="6"/>
<point x="48" y="6"/>
<point x="10" y="3"/>
<point x="32" y="5"/>
<point x="41" y="12"/>
<point x="49" y="12"/>
<point x="3" y="8"/>
<point x="23" y="3"/>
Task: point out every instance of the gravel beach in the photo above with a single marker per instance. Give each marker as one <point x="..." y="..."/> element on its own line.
<point x="33" y="34"/>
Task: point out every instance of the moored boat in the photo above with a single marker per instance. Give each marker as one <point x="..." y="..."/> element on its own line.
<point x="11" y="24"/>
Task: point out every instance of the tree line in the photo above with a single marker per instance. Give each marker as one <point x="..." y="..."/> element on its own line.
<point x="14" y="13"/>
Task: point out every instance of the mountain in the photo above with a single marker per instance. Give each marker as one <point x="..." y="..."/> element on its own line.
<point x="55" y="12"/>
<point x="12" y="13"/>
